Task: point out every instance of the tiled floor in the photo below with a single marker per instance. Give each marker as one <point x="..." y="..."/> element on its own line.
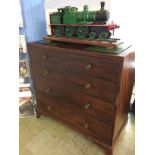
<point x="45" y="136"/>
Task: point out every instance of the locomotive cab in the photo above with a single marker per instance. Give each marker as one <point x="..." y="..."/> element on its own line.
<point x="70" y="15"/>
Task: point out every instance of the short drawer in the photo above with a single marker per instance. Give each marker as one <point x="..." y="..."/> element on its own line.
<point x="65" y="61"/>
<point x="85" y="123"/>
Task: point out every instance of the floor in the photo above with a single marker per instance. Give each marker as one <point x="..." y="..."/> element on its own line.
<point x="45" y="136"/>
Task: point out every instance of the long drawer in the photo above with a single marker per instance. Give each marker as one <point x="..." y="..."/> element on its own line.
<point x="82" y="103"/>
<point x="99" y="88"/>
<point x="83" y="122"/>
<point x="64" y="61"/>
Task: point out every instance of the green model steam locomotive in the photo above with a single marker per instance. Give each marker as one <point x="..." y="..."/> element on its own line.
<point x="69" y="22"/>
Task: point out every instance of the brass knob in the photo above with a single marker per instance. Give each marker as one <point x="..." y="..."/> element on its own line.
<point x="88" y="85"/>
<point x="49" y="107"/>
<point x="86" y="126"/>
<point x="44" y="57"/>
<point x="46" y="73"/>
<point x="47" y="90"/>
<point x="87" y="105"/>
<point x="88" y="66"/>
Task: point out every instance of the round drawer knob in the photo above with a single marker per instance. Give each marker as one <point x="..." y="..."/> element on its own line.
<point x="86" y="126"/>
<point x="45" y="73"/>
<point x="88" y="85"/>
<point x="88" y="66"/>
<point x="87" y="105"/>
<point x="44" y="57"/>
<point x="47" y="90"/>
<point x="49" y="107"/>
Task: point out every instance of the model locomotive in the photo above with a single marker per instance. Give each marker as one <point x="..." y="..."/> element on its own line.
<point x="70" y="22"/>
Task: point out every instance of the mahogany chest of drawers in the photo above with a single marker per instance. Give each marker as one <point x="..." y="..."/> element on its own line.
<point x="86" y="90"/>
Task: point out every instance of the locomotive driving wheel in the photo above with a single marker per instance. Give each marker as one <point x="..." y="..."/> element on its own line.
<point x="69" y="32"/>
<point x="57" y="31"/>
<point x="82" y="32"/>
<point x="92" y="35"/>
<point x="104" y="35"/>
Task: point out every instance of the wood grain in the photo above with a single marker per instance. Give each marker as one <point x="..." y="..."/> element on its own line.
<point x="109" y="44"/>
<point x="88" y="91"/>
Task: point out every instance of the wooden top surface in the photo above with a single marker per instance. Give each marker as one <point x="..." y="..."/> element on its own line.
<point x="121" y="51"/>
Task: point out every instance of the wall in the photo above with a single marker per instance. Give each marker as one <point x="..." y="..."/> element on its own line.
<point x="124" y="12"/>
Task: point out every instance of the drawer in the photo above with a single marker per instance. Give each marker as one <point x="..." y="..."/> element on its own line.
<point x="60" y="60"/>
<point x="87" y="105"/>
<point x="84" y="123"/>
<point x="96" y="87"/>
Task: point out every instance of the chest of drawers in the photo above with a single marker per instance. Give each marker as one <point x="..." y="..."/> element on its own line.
<point x="88" y="91"/>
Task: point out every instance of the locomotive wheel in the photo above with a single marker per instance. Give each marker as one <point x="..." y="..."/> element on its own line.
<point x="57" y="32"/>
<point x="109" y="34"/>
<point x="69" y="32"/>
<point x="103" y="35"/>
<point x="82" y="32"/>
<point x="92" y="35"/>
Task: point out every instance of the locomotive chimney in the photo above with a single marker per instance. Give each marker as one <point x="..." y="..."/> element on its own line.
<point x="102" y="5"/>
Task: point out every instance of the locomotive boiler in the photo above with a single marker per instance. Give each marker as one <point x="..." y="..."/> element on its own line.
<point x="70" y="22"/>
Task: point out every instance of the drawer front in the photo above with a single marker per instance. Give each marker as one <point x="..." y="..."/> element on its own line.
<point x="83" y="104"/>
<point x="85" y="123"/>
<point x="96" y="87"/>
<point x="65" y="61"/>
